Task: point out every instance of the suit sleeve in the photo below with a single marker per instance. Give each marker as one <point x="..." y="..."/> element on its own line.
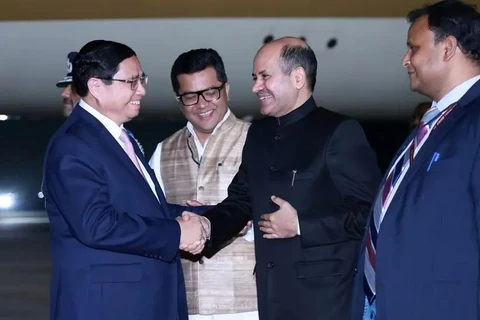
<point x="76" y="188"/>
<point x="353" y="168"/>
<point x="230" y="216"/>
<point x="177" y="210"/>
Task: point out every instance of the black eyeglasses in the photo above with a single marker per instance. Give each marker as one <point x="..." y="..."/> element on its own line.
<point x="133" y="82"/>
<point x="209" y="95"/>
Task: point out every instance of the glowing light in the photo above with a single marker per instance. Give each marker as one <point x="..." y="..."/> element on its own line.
<point x="7" y="200"/>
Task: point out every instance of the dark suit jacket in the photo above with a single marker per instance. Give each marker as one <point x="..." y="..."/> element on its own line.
<point x="428" y="247"/>
<point x="114" y="246"/>
<point x="308" y="276"/>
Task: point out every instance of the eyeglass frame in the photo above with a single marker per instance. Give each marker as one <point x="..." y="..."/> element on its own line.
<point x="143" y="79"/>
<point x="200" y="93"/>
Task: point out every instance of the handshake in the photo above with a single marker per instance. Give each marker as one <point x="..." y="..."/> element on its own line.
<point x="195" y="230"/>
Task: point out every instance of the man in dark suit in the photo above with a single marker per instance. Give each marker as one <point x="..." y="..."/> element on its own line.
<point x="307" y="179"/>
<point x="421" y="252"/>
<point x="114" y="238"/>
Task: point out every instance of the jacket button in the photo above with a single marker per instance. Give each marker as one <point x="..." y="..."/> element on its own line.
<point x="270" y="265"/>
<point x="355" y="271"/>
<point x="273" y="168"/>
<point x="277" y="137"/>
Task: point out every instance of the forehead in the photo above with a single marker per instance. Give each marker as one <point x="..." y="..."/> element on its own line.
<point x="419" y="31"/>
<point x="266" y="60"/>
<point x="130" y="67"/>
<point x="199" y="80"/>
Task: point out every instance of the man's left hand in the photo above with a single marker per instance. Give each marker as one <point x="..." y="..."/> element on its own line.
<point x="281" y="223"/>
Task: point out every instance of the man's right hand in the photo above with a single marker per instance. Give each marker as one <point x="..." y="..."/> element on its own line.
<point x="194" y="232"/>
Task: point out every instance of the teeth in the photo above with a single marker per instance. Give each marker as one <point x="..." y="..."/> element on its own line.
<point x="135" y="102"/>
<point x="264" y="97"/>
<point x="205" y="114"/>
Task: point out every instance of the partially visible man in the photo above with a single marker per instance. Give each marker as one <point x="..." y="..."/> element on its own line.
<point x="69" y="95"/>
<point x="307" y="178"/>
<point x="198" y="162"/>
<point x="420" y="258"/>
<point x="418" y="113"/>
<point x="114" y="237"/>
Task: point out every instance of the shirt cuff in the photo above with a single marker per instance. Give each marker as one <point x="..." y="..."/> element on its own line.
<point x="298" y="227"/>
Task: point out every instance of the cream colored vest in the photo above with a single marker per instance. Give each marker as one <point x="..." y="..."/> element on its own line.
<point x="225" y="283"/>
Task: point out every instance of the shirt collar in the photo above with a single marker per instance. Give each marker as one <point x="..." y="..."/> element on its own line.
<point x="455" y="94"/>
<point x="114" y="129"/>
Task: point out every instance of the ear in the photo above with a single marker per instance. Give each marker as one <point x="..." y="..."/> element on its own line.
<point x="450" y="46"/>
<point x="182" y="107"/>
<point x="227" y="90"/>
<point x="299" y="78"/>
<point x="94" y="87"/>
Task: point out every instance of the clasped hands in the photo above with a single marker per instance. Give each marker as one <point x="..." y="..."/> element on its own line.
<point x="195" y="230"/>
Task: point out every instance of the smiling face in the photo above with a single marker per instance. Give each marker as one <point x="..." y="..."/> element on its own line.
<point x="424" y="60"/>
<point x="278" y="92"/>
<point x="118" y="101"/>
<point x="202" y="114"/>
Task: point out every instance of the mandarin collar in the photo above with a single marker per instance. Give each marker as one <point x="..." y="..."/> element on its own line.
<point x="297" y="114"/>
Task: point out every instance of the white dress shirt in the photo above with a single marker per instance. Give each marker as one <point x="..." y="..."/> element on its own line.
<point x="115" y="130"/>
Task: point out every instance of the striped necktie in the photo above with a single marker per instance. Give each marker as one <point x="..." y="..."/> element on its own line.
<point x="383" y="199"/>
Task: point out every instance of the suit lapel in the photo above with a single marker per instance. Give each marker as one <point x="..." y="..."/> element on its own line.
<point x="426" y="151"/>
<point x="405" y="144"/>
<point x="117" y="151"/>
<point x="150" y="172"/>
<point x="120" y="154"/>
<point x="160" y="194"/>
<point x="399" y="152"/>
<point x="441" y="131"/>
<point x="432" y="142"/>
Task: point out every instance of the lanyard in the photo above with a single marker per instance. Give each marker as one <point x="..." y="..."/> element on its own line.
<point x="440" y="117"/>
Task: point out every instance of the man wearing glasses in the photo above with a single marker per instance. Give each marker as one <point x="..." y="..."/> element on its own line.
<point x="198" y="163"/>
<point x="114" y="237"/>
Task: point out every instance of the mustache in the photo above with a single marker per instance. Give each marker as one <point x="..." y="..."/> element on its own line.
<point x="67" y="101"/>
<point x="264" y="92"/>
